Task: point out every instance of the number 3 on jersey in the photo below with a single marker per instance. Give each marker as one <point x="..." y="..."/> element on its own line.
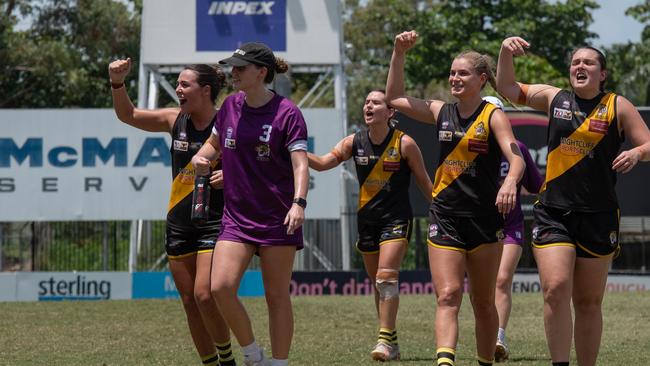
<point x="266" y="133"/>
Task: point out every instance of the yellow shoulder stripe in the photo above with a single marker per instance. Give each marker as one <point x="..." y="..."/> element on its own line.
<point x="586" y="137"/>
<point x="379" y="176"/>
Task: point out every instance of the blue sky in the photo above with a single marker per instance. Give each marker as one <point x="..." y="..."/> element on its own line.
<point x="612" y="25"/>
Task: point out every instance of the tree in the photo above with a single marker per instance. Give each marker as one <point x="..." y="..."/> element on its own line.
<point x="61" y="60"/>
<point x="628" y="63"/>
<point x="449" y="27"/>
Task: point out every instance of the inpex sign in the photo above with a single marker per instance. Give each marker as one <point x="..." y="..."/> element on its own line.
<point x="225" y="25"/>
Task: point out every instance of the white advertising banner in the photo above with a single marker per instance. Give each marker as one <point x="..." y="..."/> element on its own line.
<point x="178" y="32"/>
<point x="57" y="286"/>
<point x="7" y="286"/>
<point x="324" y="196"/>
<point x="85" y="165"/>
<point x="529" y="282"/>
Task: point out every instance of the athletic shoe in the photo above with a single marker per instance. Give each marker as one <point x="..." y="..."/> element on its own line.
<point x="262" y="362"/>
<point x="501" y="352"/>
<point x="385" y="352"/>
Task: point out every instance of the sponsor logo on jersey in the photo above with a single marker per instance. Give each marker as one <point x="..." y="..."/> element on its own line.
<point x="444" y="124"/>
<point x="562" y="114"/>
<point x="598" y="126"/>
<point x="229" y="132"/>
<point x="241" y="7"/>
<point x="195" y="146"/>
<point x="566" y="104"/>
<point x="445" y="135"/>
<point x="180" y="145"/>
<point x="361" y="160"/>
<point x="391" y="166"/>
<point x="229" y="143"/>
<point x="478" y="146"/>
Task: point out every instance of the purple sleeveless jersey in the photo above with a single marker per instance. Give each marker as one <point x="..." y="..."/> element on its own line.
<point x="258" y="174"/>
<point x="513" y="227"/>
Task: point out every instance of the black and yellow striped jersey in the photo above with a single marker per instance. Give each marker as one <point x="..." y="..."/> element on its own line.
<point x="467" y="177"/>
<point x="384" y="177"/>
<point x="583" y="141"/>
<point x="186" y="141"/>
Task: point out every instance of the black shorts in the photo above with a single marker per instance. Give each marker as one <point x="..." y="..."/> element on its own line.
<point x="461" y="233"/>
<point x="592" y="234"/>
<point x="372" y="234"/>
<point x="183" y="242"/>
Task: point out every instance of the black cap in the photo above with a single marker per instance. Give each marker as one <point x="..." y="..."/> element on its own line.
<point x="251" y="53"/>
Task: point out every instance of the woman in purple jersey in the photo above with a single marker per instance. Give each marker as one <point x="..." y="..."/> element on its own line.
<point x="262" y="140"/>
<point x="513" y="239"/>
<point x="188" y="246"/>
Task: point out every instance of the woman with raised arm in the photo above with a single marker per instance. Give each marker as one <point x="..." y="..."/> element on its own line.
<point x="468" y="204"/>
<point x="384" y="158"/>
<point x="575" y="233"/>
<point x="189" y="246"/>
<point x="262" y="138"/>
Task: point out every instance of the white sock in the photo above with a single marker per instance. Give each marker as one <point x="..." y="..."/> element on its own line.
<point x="275" y="362"/>
<point x="501" y="335"/>
<point x="252" y="352"/>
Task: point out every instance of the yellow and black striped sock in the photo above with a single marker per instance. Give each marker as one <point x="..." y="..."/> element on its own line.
<point x="388" y="336"/>
<point x="210" y="360"/>
<point x="484" y="362"/>
<point x="446" y="356"/>
<point x="226" y="358"/>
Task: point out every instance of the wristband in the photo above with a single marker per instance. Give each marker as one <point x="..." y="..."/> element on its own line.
<point x="300" y="202"/>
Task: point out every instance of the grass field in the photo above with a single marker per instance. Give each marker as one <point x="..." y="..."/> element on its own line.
<point x="331" y="330"/>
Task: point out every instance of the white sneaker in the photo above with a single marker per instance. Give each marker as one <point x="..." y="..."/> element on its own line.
<point x="263" y="361"/>
<point x="501" y="352"/>
<point x="385" y="352"/>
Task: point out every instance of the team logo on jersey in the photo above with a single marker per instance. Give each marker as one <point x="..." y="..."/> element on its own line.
<point x="229" y="132"/>
<point x="360" y="151"/>
<point x="445" y="135"/>
<point x="433" y="230"/>
<point x="518" y="234"/>
<point x="613" y="238"/>
<point x="263" y="152"/>
<point x="562" y="114"/>
<point x="480" y="132"/>
<point x="361" y="160"/>
<point x="180" y="145"/>
<point x="566" y="104"/>
<point x="392" y="153"/>
<point x="444" y="124"/>
<point x="229" y="143"/>
<point x="602" y="111"/>
<point x="598" y="126"/>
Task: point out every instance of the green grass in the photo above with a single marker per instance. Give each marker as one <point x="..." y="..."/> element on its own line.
<point x="332" y="330"/>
